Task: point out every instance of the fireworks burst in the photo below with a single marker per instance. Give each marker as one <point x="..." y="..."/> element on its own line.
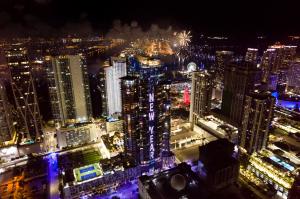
<point x="184" y="38"/>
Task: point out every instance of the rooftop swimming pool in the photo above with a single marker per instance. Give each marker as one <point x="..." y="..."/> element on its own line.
<point x="282" y="163"/>
<point x="88" y="176"/>
<point x="84" y="170"/>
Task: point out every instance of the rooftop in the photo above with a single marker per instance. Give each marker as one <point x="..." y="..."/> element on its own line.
<point x="217" y="154"/>
<point x="175" y="183"/>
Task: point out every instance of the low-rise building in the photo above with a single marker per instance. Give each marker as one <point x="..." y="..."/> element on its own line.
<point x="273" y="170"/>
<point x="101" y="177"/>
<point x="219" y="128"/>
<point x="114" y="126"/>
<point x="77" y="134"/>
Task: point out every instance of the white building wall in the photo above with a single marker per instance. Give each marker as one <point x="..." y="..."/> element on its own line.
<point x="77" y="85"/>
<point x="113" y="89"/>
<point x="61" y="139"/>
<point x="78" y="88"/>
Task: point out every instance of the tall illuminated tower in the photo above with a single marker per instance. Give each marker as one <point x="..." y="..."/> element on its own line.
<point x="130" y="116"/>
<point x="145" y="96"/>
<point x="277" y="57"/>
<point x="222" y="59"/>
<point x="256" y="121"/>
<point x="293" y="77"/>
<point x="112" y="76"/>
<point x="102" y="88"/>
<point x="24" y="93"/>
<point x="201" y="95"/>
<point x="239" y="79"/>
<point x="69" y="89"/>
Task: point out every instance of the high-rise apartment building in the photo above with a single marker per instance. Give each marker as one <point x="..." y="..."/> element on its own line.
<point x="130" y="115"/>
<point x="24" y="92"/>
<point x="102" y="88"/>
<point x="69" y="89"/>
<point x="112" y="84"/>
<point x="39" y="74"/>
<point x="256" y="121"/>
<point x="239" y="79"/>
<point x="293" y="77"/>
<point x="276" y="57"/>
<point x="201" y="95"/>
<point x="222" y="59"/>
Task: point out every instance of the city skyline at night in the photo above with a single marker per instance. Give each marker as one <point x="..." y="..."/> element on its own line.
<point x="149" y="100"/>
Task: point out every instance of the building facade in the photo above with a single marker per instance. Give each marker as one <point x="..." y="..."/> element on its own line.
<point x="29" y="124"/>
<point x="257" y="118"/>
<point x="6" y="122"/>
<point x="251" y="55"/>
<point x="239" y="79"/>
<point x="201" y="95"/>
<point x="112" y="84"/>
<point x="102" y="88"/>
<point x="130" y="115"/>
<point x="69" y="89"/>
<point x="293" y="77"/>
<point x="277" y="57"/>
<point x="77" y="134"/>
<point x="223" y="58"/>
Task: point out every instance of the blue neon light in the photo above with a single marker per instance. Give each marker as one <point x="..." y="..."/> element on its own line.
<point x="275" y="94"/>
<point x="282" y="163"/>
<point x="288" y="104"/>
<point x="111" y="119"/>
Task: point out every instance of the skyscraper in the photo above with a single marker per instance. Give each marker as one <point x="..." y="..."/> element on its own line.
<point x="69" y="89"/>
<point x="102" y="88"/>
<point x="251" y="55"/>
<point x="201" y="95"/>
<point x="293" y="77"/>
<point x="257" y="118"/>
<point x="145" y="96"/>
<point x="269" y="63"/>
<point x="272" y="81"/>
<point x="239" y="79"/>
<point x="6" y="123"/>
<point x="39" y="75"/>
<point x="277" y="57"/>
<point x="112" y="76"/>
<point x="130" y="115"/>
<point x="24" y="93"/>
<point x="222" y="59"/>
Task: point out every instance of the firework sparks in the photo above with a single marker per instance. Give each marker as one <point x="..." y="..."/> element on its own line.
<point x="184" y="38"/>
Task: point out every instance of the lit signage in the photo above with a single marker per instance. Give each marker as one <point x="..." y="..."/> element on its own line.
<point x="151" y="126"/>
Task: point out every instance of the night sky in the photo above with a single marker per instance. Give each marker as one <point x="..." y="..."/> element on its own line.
<point x="243" y="17"/>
